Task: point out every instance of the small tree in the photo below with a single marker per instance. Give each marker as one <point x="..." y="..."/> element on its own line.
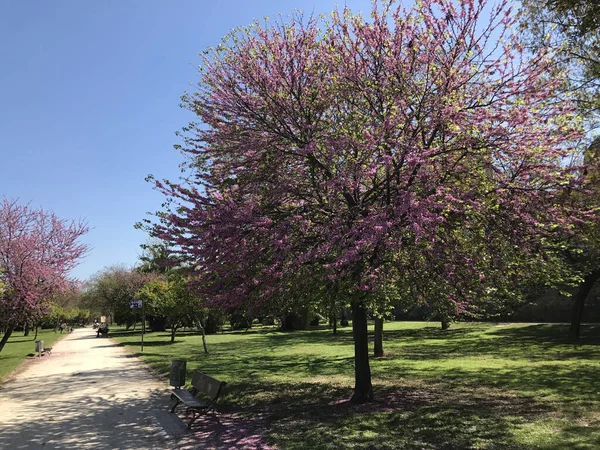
<point x="171" y="298"/>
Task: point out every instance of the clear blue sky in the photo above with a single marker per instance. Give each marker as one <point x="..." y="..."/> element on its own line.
<point x="89" y="95"/>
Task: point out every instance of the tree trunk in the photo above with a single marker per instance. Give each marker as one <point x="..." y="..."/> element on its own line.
<point x="26" y="330"/>
<point x="173" y="331"/>
<point x="333" y="319"/>
<point x="445" y="324"/>
<point x="343" y="318"/>
<point x="4" y="340"/>
<point x="378" y="338"/>
<point x="36" y="333"/>
<point x="203" y="337"/>
<point x="580" y="297"/>
<point x="363" y="389"/>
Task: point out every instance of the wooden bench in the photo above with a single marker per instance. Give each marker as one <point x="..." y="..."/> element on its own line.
<point x="207" y="387"/>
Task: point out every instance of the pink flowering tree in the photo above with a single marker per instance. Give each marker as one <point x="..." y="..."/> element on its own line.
<point x="37" y="252"/>
<point x="368" y="151"/>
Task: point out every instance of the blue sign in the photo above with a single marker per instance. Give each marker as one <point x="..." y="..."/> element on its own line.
<point x="135" y="303"/>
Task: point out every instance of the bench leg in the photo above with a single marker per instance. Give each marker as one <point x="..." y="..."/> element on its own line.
<point x="195" y="416"/>
<point x="177" y="402"/>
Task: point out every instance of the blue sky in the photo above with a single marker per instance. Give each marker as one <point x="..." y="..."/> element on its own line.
<point x="89" y="103"/>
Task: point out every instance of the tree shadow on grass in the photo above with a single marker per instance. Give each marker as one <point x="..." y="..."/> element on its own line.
<point x="532" y="342"/>
<point x="15" y="340"/>
<point x="429" y="408"/>
<point x="319" y="416"/>
<point x="481" y="409"/>
<point x="540" y="344"/>
<point x="149" y="343"/>
<point x="548" y="380"/>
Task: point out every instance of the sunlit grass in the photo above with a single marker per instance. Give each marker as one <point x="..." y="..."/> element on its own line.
<point x="18" y="347"/>
<point x="481" y="386"/>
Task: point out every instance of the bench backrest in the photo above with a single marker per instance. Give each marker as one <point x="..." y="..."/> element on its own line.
<point x="207" y="385"/>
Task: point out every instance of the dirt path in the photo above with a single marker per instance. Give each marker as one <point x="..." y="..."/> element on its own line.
<point x="88" y="394"/>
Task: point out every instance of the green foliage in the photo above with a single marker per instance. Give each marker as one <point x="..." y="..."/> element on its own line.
<point x="110" y="291"/>
<point x="171" y="298"/>
<point x="58" y="314"/>
<point x="473" y="386"/>
<point x="573" y="27"/>
<point x="155" y="257"/>
<point x="581" y="16"/>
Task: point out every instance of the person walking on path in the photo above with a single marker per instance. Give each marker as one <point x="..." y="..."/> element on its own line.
<point x="88" y="394"/>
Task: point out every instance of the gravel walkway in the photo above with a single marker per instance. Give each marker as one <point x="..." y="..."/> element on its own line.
<point x="88" y="394"/>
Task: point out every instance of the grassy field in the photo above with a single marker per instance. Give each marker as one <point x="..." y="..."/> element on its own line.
<point x="479" y="386"/>
<point x="18" y="347"/>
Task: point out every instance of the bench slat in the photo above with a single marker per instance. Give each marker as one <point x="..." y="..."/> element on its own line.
<point x="207" y="385"/>
<point x="189" y="399"/>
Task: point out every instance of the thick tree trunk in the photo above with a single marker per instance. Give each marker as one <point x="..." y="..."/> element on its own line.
<point x="26" y="330"/>
<point x="580" y="297"/>
<point x="173" y="331"/>
<point x="363" y="389"/>
<point x="445" y="324"/>
<point x="378" y="338"/>
<point x="4" y="340"/>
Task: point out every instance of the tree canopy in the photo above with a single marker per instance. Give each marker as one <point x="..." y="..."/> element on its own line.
<point x="573" y="28"/>
<point x="37" y="251"/>
<point x="421" y="140"/>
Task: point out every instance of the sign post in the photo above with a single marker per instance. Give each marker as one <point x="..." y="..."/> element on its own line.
<point x="143" y="326"/>
<point x="136" y="304"/>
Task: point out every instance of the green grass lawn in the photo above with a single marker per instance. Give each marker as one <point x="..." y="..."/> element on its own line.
<point x="479" y="386"/>
<point x="18" y="347"/>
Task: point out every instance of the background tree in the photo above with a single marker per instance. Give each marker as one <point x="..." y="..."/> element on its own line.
<point x="170" y="298"/>
<point x="155" y="257"/>
<point x="572" y="27"/>
<point x="109" y="292"/>
<point x="580" y="245"/>
<point x="37" y="252"/>
<point x="348" y="144"/>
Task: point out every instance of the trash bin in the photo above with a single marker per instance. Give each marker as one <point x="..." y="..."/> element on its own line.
<point x="39" y="346"/>
<point x="178" y="367"/>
